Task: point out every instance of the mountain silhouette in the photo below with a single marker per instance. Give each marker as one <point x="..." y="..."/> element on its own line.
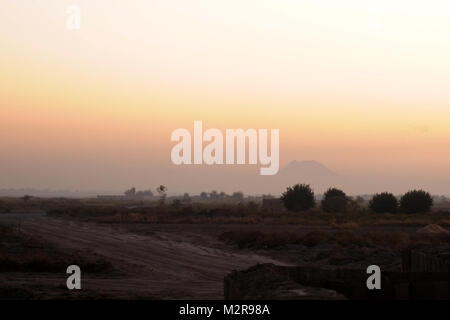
<point x="309" y="172"/>
<point x="307" y="168"/>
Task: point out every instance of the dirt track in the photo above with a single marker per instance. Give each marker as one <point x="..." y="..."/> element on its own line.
<point x="160" y="265"/>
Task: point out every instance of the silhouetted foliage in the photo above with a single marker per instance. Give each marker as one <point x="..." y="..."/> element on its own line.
<point x="334" y="192"/>
<point x="335" y="200"/>
<point x="359" y="200"/>
<point x="300" y="197"/>
<point x="335" y="204"/>
<point x="384" y="202"/>
<point x="130" y="192"/>
<point x="162" y="191"/>
<point x="416" y="201"/>
<point x="144" y="193"/>
<point x="214" y="195"/>
<point x="237" y="195"/>
<point x="187" y="198"/>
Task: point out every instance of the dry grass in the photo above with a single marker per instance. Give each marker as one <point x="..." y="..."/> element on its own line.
<point x="392" y="240"/>
<point x="218" y="213"/>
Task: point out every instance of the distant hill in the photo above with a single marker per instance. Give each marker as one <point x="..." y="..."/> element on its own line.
<point x="310" y="169"/>
<point x="195" y="179"/>
<point x="309" y="172"/>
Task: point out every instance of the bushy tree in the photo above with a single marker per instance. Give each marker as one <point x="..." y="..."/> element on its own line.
<point x="384" y="202"/>
<point x="214" y="194"/>
<point x="335" y="204"/>
<point x="130" y="192"/>
<point x="334" y="192"/>
<point x="300" y="197"/>
<point x="334" y="200"/>
<point x="416" y="201"/>
<point x="162" y="191"/>
<point x="187" y="197"/>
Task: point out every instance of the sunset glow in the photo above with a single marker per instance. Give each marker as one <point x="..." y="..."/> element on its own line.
<point x="362" y="87"/>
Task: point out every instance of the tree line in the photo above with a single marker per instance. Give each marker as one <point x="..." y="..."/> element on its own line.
<point x="300" y="197"/>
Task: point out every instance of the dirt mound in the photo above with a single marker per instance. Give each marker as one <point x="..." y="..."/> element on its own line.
<point x="432" y="229"/>
<point x="270" y="282"/>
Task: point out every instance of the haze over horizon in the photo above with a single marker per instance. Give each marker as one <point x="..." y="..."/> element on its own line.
<point x="195" y="180"/>
<point x="364" y="94"/>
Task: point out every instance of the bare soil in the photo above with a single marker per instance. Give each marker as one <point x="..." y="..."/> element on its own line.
<point x="171" y="261"/>
<point x="147" y="263"/>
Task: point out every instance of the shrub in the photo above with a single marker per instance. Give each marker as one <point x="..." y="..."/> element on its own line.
<point x="335" y="200"/>
<point x="335" y="204"/>
<point x="384" y="203"/>
<point x="300" y="197"/>
<point x="334" y="192"/>
<point x="416" y="201"/>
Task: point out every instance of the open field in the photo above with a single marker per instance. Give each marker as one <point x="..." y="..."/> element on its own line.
<point x="141" y="251"/>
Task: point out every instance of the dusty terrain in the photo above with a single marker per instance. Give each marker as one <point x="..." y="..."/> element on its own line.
<point x="184" y="261"/>
<point x="153" y="265"/>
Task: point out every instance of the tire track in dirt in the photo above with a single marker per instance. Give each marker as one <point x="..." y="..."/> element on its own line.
<point x="153" y="265"/>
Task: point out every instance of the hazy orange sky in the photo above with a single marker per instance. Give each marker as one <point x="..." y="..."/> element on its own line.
<point x="360" y="86"/>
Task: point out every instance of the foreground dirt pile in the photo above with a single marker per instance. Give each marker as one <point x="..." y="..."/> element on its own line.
<point x="266" y="281"/>
<point x="433" y="229"/>
<point x="297" y="282"/>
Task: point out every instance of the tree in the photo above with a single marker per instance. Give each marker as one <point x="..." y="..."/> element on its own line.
<point x="130" y="192"/>
<point x="384" y="202"/>
<point x="335" y="200"/>
<point x="187" y="197"/>
<point x="334" y="192"/>
<point x="300" y="197"/>
<point x="359" y="200"/>
<point x="214" y="194"/>
<point x="204" y="195"/>
<point x="416" y="201"/>
<point x="162" y="191"/>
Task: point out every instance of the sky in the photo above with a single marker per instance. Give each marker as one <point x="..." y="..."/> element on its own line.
<point x="360" y="86"/>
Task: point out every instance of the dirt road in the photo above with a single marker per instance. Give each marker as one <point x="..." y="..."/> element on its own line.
<point x="160" y="265"/>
